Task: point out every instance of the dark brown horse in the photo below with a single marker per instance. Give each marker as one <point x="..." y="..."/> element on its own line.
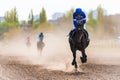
<point x="78" y="41"/>
<point x="40" y="45"/>
<point x="28" y="43"/>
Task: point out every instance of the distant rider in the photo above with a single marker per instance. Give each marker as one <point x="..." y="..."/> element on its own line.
<point x="40" y="36"/>
<point x="28" y="39"/>
<point x="79" y="15"/>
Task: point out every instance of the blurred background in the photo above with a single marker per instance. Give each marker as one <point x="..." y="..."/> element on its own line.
<point x="102" y="17"/>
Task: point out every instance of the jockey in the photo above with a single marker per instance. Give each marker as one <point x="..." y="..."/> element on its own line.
<point x="28" y="39"/>
<point x="40" y="36"/>
<point x="79" y="15"/>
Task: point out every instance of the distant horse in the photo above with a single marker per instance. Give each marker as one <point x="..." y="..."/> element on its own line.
<point x="28" y="43"/>
<point x="78" y="41"/>
<point x="40" y="45"/>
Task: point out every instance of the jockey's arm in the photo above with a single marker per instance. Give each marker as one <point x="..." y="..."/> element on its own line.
<point x="84" y="17"/>
<point x="74" y="20"/>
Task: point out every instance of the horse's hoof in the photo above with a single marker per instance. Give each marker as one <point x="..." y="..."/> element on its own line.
<point x="75" y="69"/>
<point x="83" y="60"/>
<point x="73" y="63"/>
<point x="76" y="66"/>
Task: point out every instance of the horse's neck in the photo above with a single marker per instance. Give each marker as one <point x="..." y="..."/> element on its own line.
<point x="79" y="34"/>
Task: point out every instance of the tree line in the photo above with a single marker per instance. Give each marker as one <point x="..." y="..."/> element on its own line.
<point x="100" y="23"/>
<point x="11" y="18"/>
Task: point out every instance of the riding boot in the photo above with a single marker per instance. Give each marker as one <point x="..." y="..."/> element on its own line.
<point x="86" y="34"/>
<point x="71" y="34"/>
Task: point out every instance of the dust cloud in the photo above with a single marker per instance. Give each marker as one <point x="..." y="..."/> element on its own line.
<point x="56" y="54"/>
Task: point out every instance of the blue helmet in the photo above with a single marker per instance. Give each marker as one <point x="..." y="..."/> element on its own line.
<point x="41" y="35"/>
<point x="78" y="10"/>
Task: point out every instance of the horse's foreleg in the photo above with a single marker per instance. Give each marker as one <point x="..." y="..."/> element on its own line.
<point x="74" y="58"/>
<point x="84" y="56"/>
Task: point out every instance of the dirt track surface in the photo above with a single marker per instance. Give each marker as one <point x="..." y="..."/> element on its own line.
<point x="12" y="69"/>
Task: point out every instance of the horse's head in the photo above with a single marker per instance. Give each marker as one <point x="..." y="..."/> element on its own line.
<point x="79" y="32"/>
<point x="80" y="24"/>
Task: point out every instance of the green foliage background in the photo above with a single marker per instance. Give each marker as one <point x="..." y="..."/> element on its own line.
<point x="100" y="25"/>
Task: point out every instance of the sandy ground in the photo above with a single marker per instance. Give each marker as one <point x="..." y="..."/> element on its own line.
<point x="19" y="62"/>
<point x="13" y="70"/>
